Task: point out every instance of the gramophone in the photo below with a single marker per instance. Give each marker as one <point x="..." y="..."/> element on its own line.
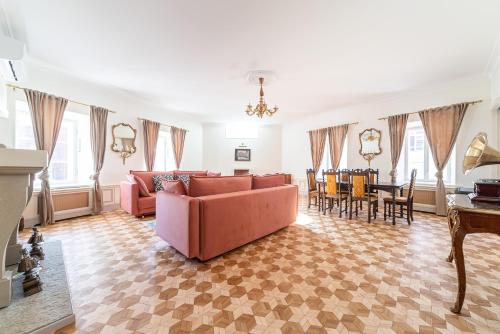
<point x="480" y="154"/>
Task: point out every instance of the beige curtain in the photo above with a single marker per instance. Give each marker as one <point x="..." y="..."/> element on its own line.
<point x="317" y="139"/>
<point x="397" y="128"/>
<point x="46" y="115"/>
<point x="150" y="130"/>
<point x="441" y="127"/>
<point x="178" y="137"/>
<point x="336" y="139"/>
<point x="98" y="121"/>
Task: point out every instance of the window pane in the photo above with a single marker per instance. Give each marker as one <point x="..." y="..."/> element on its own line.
<point x="417" y="154"/>
<point x="164" y="160"/>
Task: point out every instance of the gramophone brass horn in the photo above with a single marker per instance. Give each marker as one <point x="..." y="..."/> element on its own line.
<point x="480" y="154"/>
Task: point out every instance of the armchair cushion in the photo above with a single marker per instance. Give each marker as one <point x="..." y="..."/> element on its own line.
<point x="147" y="177"/>
<point x="147" y="204"/>
<point x="174" y="187"/>
<point x="159" y="179"/>
<point x="143" y="189"/>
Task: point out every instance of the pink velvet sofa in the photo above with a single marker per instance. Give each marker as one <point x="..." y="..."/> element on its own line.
<point x="223" y="213"/>
<point x="131" y="199"/>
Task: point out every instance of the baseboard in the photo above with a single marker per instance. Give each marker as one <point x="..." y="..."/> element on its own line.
<point x="111" y="207"/>
<point x="424" y="207"/>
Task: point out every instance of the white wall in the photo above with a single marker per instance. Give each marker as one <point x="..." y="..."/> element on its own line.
<point x="480" y="117"/>
<point x="128" y="109"/>
<point x="218" y="152"/>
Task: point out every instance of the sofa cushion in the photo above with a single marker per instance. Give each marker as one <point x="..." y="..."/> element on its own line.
<point x="147" y="177"/>
<point x="159" y="179"/>
<point x="268" y="181"/>
<point x="147" y="203"/>
<point x="174" y="187"/>
<point x="143" y="189"/>
<point x="184" y="178"/>
<point x="213" y="185"/>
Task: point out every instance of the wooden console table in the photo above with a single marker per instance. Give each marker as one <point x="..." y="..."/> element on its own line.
<point x="465" y="217"/>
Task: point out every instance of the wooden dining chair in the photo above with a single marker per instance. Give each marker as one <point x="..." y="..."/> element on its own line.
<point x="373" y="176"/>
<point x="332" y="192"/>
<point x="312" y="188"/>
<point x="403" y="201"/>
<point x="359" y="182"/>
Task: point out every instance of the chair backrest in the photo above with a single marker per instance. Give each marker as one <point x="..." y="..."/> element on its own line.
<point x="311" y="179"/>
<point x="344" y="175"/>
<point x="413" y="180"/>
<point x="374" y="175"/>
<point x="359" y="178"/>
<point x="331" y="177"/>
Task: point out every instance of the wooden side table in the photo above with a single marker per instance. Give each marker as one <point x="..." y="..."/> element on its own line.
<point x="466" y="217"/>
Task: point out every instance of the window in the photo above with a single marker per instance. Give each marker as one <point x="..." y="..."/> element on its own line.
<point x="164" y="160"/>
<point x="326" y="163"/>
<point x="71" y="163"/>
<point x="242" y="131"/>
<point x="417" y="154"/>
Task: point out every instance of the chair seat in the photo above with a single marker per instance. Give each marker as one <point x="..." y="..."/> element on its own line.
<point x="399" y="199"/>
<point x="313" y="193"/>
<point x="366" y="198"/>
<point x="338" y="195"/>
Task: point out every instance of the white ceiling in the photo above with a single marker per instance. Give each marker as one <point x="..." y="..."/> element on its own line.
<point x="192" y="56"/>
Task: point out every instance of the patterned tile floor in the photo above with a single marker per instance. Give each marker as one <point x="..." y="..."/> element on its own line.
<point x="321" y="275"/>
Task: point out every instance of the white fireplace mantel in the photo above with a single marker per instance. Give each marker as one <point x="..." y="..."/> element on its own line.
<point x="17" y="170"/>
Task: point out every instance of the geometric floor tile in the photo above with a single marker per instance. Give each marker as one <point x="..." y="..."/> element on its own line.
<point x="321" y="275"/>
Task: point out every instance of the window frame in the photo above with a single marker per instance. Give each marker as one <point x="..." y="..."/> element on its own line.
<point x="449" y="177"/>
<point x="79" y="177"/>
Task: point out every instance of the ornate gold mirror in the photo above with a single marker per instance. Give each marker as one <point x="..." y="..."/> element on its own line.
<point x="123" y="140"/>
<point x="369" y="140"/>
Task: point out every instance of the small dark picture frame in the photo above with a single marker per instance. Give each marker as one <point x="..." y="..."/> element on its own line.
<point x="241" y="154"/>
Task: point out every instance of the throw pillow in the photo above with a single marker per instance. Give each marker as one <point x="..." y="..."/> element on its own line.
<point x="143" y="189"/>
<point x="213" y="174"/>
<point x="158" y="179"/>
<point x="174" y="187"/>
<point x="185" y="179"/>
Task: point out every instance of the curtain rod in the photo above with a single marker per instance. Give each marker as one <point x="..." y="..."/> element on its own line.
<point x="170" y="126"/>
<point x="72" y="101"/>
<point x="334" y="126"/>
<point x="416" y="112"/>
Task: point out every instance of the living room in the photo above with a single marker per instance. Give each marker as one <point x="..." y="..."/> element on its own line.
<point x="254" y="167"/>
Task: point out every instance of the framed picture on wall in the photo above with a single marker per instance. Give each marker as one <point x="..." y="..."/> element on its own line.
<point x="241" y="154"/>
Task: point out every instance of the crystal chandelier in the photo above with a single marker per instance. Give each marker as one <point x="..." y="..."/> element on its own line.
<point x="261" y="108"/>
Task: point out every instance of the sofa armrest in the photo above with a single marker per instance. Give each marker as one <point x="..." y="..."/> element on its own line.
<point x="129" y="196"/>
<point x="177" y="222"/>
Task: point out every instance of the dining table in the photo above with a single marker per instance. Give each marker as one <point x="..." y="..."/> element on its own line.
<point x="390" y="187"/>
